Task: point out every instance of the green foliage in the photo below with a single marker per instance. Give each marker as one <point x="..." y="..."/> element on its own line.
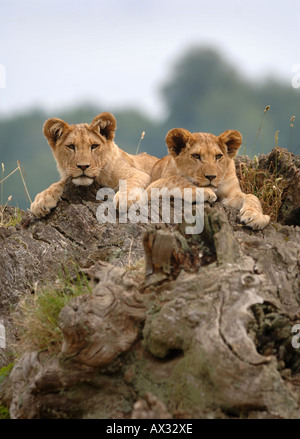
<point x="203" y="93"/>
<point x="10" y="220"/>
<point x="39" y="316"/>
<point x="4" y="413"/>
<point x="5" y="371"/>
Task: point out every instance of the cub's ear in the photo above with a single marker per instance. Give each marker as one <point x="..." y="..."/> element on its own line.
<point x="176" y="140"/>
<point x="233" y="140"/>
<point x="105" y="124"/>
<point x="54" y="129"/>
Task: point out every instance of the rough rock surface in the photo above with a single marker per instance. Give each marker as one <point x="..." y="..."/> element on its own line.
<point x="203" y="330"/>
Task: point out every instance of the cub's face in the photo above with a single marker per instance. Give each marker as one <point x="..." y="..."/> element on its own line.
<point x="203" y="158"/>
<point x="81" y="150"/>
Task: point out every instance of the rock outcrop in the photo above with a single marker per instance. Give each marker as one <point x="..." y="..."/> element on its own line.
<point x="203" y="329"/>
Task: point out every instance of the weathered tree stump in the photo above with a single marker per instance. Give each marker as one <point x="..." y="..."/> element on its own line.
<point x="204" y="329"/>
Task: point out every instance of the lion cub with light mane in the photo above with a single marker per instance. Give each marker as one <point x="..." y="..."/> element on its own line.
<point x="206" y="161"/>
<point x="86" y="153"/>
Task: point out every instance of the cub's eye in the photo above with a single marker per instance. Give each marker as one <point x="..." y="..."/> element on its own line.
<point x="196" y="156"/>
<point x="71" y="146"/>
<point x="94" y="146"/>
<point x="219" y="156"/>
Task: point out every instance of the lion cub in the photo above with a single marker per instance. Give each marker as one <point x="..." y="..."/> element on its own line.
<point x="86" y="153"/>
<point x="206" y="161"/>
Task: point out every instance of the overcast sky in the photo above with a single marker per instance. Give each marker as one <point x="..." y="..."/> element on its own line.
<point x="118" y="52"/>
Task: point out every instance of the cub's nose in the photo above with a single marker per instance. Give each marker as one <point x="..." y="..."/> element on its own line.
<point x="210" y="177"/>
<point x="83" y="167"/>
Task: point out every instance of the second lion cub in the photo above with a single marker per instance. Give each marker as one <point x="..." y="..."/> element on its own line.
<point x="206" y="161"/>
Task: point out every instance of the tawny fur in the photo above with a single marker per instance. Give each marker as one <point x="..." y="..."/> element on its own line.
<point x="205" y="160"/>
<point x="87" y="152"/>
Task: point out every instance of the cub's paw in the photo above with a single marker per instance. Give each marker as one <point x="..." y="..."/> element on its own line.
<point x="192" y="195"/>
<point x="254" y="219"/>
<point x="43" y="204"/>
<point x="209" y="195"/>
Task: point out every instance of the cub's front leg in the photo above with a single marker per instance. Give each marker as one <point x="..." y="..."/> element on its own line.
<point x="251" y="213"/>
<point x="174" y="182"/>
<point x="131" y="190"/>
<point x="48" y="199"/>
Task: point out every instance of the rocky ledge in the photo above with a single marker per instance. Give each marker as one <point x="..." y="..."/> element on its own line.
<point x="174" y="325"/>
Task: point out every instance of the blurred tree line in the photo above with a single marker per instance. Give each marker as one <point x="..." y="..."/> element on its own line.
<point x="203" y="93"/>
